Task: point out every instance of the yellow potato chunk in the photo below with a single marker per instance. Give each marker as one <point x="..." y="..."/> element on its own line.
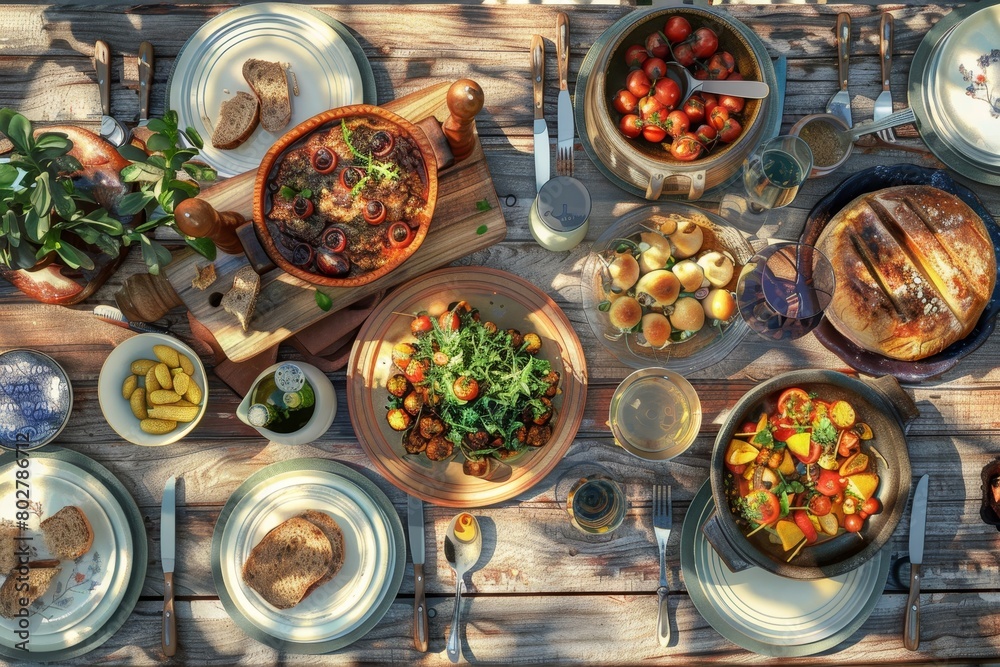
<point x="157" y="426"/>
<point x="174" y="412"/>
<point x="193" y="393"/>
<point x="167" y="355"/>
<point x="163" y="396"/>
<point x="129" y="385"/>
<point x="181" y="383"/>
<point x="137" y="401"/>
<point x="186" y="364"/>
<point x="142" y="366"/>
<point x="163" y="376"/>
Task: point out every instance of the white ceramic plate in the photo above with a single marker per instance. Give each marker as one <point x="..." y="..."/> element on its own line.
<point x="87" y="591"/>
<point x="329" y="67"/>
<point x="773" y="615"/>
<point x="117" y="367"/>
<point x="339" y="611"/>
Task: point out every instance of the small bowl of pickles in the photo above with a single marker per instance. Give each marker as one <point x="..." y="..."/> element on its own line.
<point x="659" y="287"/>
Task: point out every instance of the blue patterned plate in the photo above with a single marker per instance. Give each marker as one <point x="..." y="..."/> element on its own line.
<point x="36" y="399"/>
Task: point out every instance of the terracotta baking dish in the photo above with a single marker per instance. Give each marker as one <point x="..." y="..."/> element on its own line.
<point x="267" y="192"/>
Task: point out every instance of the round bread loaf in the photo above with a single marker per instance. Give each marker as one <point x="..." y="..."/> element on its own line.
<point x="915" y="268"/>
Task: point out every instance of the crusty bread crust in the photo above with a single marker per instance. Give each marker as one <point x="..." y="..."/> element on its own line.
<point x="915" y="268"/>
<point x="238" y="118"/>
<point x="270" y="84"/>
<point x="68" y="533"/>
<point x="326" y="523"/>
<point x="287" y="563"/>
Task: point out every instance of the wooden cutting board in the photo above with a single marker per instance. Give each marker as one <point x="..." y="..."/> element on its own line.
<point x="286" y="304"/>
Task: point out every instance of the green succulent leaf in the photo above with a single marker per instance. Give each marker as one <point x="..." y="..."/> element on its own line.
<point x="18" y="130"/>
<point x="140" y="172"/>
<point x="130" y="152"/>
<point x="204" y="247"/>
<point x="154" y="254"/>
<point x="73" y="257"/>
<point x="8" y="176"/>
<point x="194" y="137"/>
<point x="200" y="171"/>
<point x="41" y="195"/>
<point x="36" y="226"/>
<point x="159" y="142"/>
<point x="134" y="202"/>
<point x="156" y="125"/>
<point x="323" y="300"/>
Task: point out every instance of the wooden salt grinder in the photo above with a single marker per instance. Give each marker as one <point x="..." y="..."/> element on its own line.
<point x="196" y="217"/>
<point x="465" y="100"/>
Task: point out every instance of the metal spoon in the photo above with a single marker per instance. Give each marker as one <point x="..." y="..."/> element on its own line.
<point x="755" y="90"/>
<point x="462" y="556"/>
<point x="111" y="129"/>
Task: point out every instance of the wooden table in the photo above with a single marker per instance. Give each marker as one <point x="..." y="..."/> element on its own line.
<point x="544" y="593"/>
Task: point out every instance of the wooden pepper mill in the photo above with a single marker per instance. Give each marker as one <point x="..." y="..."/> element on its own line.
<point x="465" y="100"/>
<point x="196" y="217"/>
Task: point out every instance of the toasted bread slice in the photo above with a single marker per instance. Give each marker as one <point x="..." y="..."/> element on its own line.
<point x="40" y="576"/>
<point x="286" y="564"/>
<point x="326" y="523"/>
<point x="238" y="118"/>
<point x="270" y="84"/>
<point x="8" y="546"/>
<point x="68" y="533"/>
<point x="242" y="299"/>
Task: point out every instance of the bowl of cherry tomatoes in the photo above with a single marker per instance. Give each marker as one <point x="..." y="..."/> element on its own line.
<point x="636" y="120"/>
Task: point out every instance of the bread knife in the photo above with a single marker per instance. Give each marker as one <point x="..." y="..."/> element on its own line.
<point x="168" y="526"/>
<point x="415" y="522"/>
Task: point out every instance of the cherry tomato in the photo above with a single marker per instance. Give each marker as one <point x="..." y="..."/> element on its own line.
<point x="705" y="43"/>
<point x="624" y="101"/>
<point x="735" y="76"/>
<point x="700" y="73"/>
<point x="737" y="470"/>
<point x="465" y="388"/>
<point x="374" y="212"/>
<point x="382" y="143"/>
<point x="649" y="105"/>
<point x="684" y="54"/>
<point x="630" y="125"/>
<point x="420" y="325"/>
<point x="871" y="506"/>
<point x="677" y="29"/>
<point x="849" y="443"/>
<point x="820" y="505"/>
<point x="677" y="123"/>
<point x="335" y="239"/>
<point x="718" y="117"/>
<point x="667" y="92"/>
<point x="686" y="147"/>
<point x="711" y="101"/>
<point x="784" y="428"/>
<point x="721" y="65"/>
<point x="830" y="483"/>
<point x="766" y="504"/>
<point x="656" y="45"/>
<point x="655" y="68"/>
<point x="730" y="130"/>
<point x="732" y="103"/>
<point x="449" y="321"/>
<point x="654" y="133"/>
<point x="400" y="235"/>
<point x="853" y="523"/>
<point x="415" y="371"/>
<point x="805" y="525"/>
<point x="820" y="409"/>
<point x="638" y="83"/>
<point x="694" y="107"/>
<point x="635" y="55"/>
<point x="350" y="177"/>
<point x="302" y="207"/>
<point x="706" y="134"/>
<point x="323" y="160"/>
<point x="401" y="355"/>
<point x="795" y="403"/>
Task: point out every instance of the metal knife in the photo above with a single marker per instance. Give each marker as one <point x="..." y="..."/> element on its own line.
<point x="918" y="521"/>
<point x="415" y="521"/>
<point x="168" y="531"/>
<point x="541" y="129"/>
<point x="564" y="108"/>
<point x="145" y="81"/>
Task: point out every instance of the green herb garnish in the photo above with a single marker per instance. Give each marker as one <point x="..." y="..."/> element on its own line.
<point x="377" y="169"/>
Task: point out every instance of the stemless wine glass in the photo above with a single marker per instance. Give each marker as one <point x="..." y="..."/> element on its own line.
<point x="774" y="171"/>
<point x="784" y="289"/>
<point x="595" y="502"/>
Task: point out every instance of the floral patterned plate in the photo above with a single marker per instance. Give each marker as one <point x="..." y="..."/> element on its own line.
<point x="36" y="399"/>
<point x="92" y="595"/>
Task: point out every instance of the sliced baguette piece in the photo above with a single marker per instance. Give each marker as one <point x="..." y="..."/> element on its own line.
<point x="242" y="298"/>
<point x="238" y="118"/>
<point x="329" y="526"/>
<point x="68" y="534"/>
<point x="8" y="546"/>
<point x="40" y="576"/>
<point x="270" y="84"/>
<point x="287" y="563"/>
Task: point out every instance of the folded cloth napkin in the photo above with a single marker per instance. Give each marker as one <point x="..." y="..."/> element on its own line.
<point x="325" y="344"/>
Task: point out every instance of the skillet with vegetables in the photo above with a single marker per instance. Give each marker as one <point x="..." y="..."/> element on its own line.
<point x="470" y="386"/>
<point x="806" y="472"/>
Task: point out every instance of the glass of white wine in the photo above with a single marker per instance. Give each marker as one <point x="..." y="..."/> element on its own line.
<point x="774" y="171"/>
<point x="595" y="502"/>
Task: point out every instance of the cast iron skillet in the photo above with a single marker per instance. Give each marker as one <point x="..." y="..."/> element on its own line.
<point x="881" y="404"/>
<point x="873" y="363"/>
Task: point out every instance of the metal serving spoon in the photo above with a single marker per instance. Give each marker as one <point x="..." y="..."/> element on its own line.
<point x="755" y="90"/>
<point x="111" y="129"/>
<point x="462" y="556"/>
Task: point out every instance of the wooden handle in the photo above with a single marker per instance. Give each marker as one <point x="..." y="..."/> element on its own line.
<point x="465" y="101"/>
<point x="169" y="636"/>
<point x="562" y="49"/>
<point x="911" y="620"/>
<point x="843" y="46"/>
<point x="102" y="63"/>
<point x="885" y="48"/>
<point x="146" y="298"/>
<point x="420" y="630"/>
<point x="538" y="74"/>
<point x="258" y="257"/>
<point x="196" y="217"/>
<point x="145" y="78"/>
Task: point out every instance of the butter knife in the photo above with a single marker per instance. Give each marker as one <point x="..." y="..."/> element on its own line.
<point x="564" y="108"/>
<point x="918" y="523"/>
<point x="168" y="532"/>
<point x="415" y="522"/>
<point x="541" y="129"/>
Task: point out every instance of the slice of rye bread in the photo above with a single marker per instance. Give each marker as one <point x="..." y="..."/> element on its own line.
<point x="242" y="298"/>
<point x="329" y="526"/>
<point x="40" y="576"/>
<point x="292" y="557"/>
<point x="8" y="546"/>
<point x="68" y="533"/>
<point x="270" y="84"/>
<point x="238" y="118"/>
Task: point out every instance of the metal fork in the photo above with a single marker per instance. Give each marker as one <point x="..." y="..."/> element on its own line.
<point x="883" y="104"/>
<point x="663" y="521"/>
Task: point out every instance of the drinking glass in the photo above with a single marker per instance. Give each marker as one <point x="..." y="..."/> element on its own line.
<point x="784" y="289"/>
<point x="774" y="171"/>
<point x="595" y="502"/>
<point x="655" y="414"/>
